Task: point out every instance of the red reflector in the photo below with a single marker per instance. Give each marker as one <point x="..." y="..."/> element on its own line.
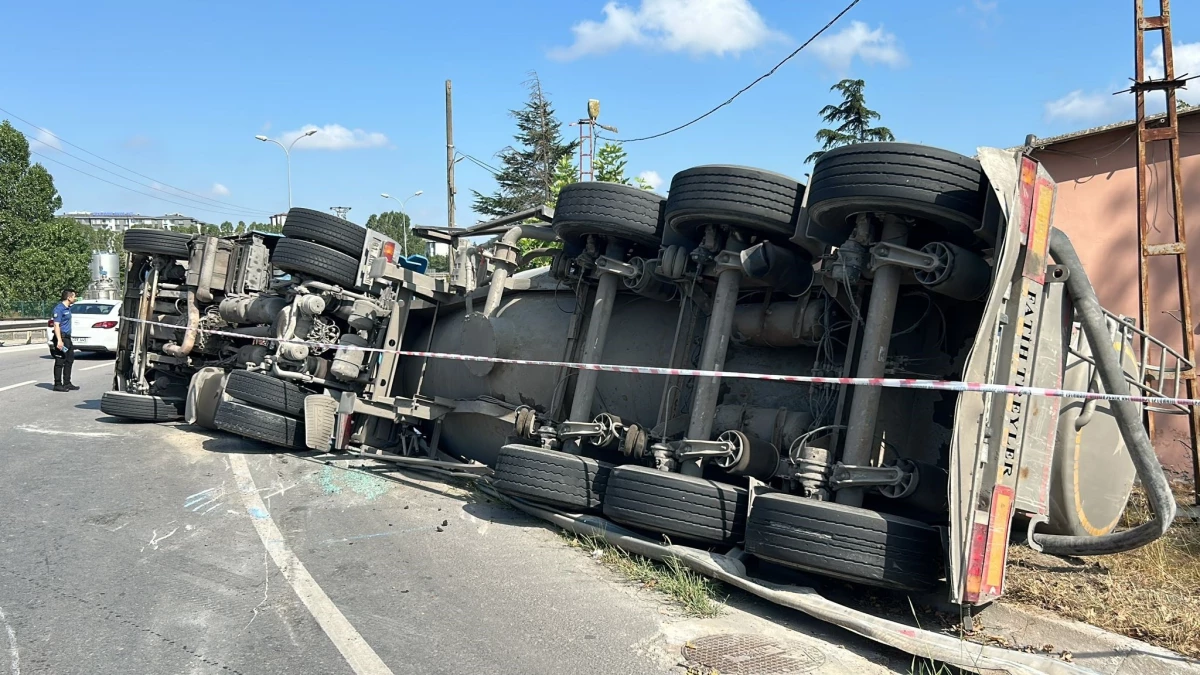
<point x="105" y="324"/>
<point x="50" y="323"/>
<point x="389" y="250"/>
<point x="975" y="562"/>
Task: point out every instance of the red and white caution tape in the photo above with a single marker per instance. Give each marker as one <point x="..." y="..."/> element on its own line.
<point x="889" y="382"/>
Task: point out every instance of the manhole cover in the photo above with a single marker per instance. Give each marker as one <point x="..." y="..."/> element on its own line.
<point x="750" y="655"/>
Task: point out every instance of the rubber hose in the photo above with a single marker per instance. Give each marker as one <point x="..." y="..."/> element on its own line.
<point x="1129" y="420"/>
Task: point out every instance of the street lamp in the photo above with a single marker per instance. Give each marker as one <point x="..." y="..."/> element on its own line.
<point x="404" y="231"/>
<point x="287" y="151"/>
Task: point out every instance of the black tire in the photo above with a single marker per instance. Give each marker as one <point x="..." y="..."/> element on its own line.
<point x="158" y="242"/>
<point x="681" y="507"/>
<point x="759" y="201"/>
<point x="610" y="210"/>
<point x="944" y="189"/>
<point x="321" y="228"/>
<point x="260" y="425"/>
<point x="142" y="408"/>
<point x="844" y="542"/>
<point x="550" y="477"/>
<point x="317" y="261"/>
<point x="267" y="392"/>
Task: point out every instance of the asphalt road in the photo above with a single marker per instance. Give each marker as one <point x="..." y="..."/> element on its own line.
<point x="138" y="548"/>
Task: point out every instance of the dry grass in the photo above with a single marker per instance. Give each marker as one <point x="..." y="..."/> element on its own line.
<point x="1151" y="594"/>
<point x="693" y="592"/>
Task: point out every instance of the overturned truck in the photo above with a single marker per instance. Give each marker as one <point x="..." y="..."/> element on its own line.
<point x="705" y="367"/>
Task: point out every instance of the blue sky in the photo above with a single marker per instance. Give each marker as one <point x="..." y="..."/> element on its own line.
<point x="177" y="91"/>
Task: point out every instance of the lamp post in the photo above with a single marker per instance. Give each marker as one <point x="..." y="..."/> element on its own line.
<point x="287" y="151"/>
<point x="403" y="230"/>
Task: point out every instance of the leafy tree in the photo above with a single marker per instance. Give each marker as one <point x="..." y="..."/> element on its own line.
<point x="42" y="258"/>
<point x="241" y="227"/>
<point x="397" y="225"/>
<point x="439" y="263"/>
<point x="853" y="118"/>
<point x="610" y="164"/>
<point x="27" y="190"/>
<point x="41" y="254"/>
<point x="528" y="171"/>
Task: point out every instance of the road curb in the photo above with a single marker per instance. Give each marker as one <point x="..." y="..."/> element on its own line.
<point x="1103" y="651"/>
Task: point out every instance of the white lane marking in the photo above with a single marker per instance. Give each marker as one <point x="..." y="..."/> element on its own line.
<point x="102" y="365"/>
<point x="14" y="657"/>
<point x="25" y="348"/>
<point x="54" y="432"/>
<point x="19" y="384"/>
<point x="358" y="654"/>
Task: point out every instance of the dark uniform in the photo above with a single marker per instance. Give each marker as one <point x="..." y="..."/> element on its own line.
<point x="64" y="359"/>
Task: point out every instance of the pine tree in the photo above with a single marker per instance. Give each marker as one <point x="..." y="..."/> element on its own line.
<point x="854" y="117"/>
<point x="528" y="171"/>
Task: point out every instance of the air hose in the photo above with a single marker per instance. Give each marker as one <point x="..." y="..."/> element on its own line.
<point x="1129" y="420"/>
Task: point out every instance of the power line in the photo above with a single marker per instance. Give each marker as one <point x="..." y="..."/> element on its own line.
<point x="85" y="150"/>
<point x="126" y="187"/>
<point x="480" y="163"/>
<point x="248" y="212"/>
<point x="747" y="87"/>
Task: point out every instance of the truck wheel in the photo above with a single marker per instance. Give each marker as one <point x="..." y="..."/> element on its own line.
<point x="321" y="228"/>
<point x="158" y="242"/>
<point x="943" y="189"/>
<point x="267" y="392"/>
<point x="683" y="507"/>
<point x="139" y="407"/>
<point x="751" y="199"/>
<point x="844" y="542"/>
<point x="610" y="210"/>
<point x="317" y="261"/>
<point x="260" y="425"/>
<point x="550" y="477"/>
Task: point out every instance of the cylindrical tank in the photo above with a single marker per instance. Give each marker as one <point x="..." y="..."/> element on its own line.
<point x="534" y="325"/>
<point x="105" y="270"/>
<point x="105" y="266"/>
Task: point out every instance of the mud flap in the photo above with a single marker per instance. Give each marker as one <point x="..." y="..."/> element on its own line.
<point x="320" y="416"/>
<point x="204" y="394"/>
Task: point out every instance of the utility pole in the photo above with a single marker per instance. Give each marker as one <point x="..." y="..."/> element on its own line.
<point x="450" y="172"/>
<point x="340" y="211"/>
<point x="587" y="140"/>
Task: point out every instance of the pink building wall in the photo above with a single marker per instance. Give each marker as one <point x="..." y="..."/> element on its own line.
<point x="1097" y="208"/>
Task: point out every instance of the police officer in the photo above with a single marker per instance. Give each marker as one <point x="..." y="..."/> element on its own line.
<point x="62" y="349"/>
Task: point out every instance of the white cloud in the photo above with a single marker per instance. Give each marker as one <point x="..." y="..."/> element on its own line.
<point x="1187" y="60"/>
<point x="220" y="190"/>
<point x="1078" y="106"/>
<point x="652" y="179"/>
<point x="839" y="50"/>
<point x="334" y="137"/>
<point x="695" y="26"/>
<point x="46" y="140"/>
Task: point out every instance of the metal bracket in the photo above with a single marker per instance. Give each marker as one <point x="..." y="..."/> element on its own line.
<point x="1034" y="521"/>
<point x="848" y="476"/>
<point x="605" y="430"/>
<point x="884" y="253"/>
<point x="687" y="449"/>
<point x="1057" y="274"/>
<point x="613" y="266"/>
<point x="727" y="260"/>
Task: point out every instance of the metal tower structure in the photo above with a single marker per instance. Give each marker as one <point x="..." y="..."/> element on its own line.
<point x="1164" y="130"/>
<point x="340" y="211"/>
<point x="587" y="140"/>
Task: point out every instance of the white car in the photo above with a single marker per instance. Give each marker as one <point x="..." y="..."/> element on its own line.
<point x="94" y="326"/>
